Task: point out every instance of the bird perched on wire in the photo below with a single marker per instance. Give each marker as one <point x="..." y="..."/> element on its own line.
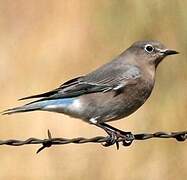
<point x="111" y="92"/>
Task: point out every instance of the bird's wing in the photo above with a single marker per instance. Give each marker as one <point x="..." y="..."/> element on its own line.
<point x="103" y="81"/>
<point x="54" y="91"/>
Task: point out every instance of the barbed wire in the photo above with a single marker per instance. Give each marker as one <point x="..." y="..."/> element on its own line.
<point x="126" y="141"/>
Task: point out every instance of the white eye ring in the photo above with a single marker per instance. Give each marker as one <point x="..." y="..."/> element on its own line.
<point x="149" y="48"/>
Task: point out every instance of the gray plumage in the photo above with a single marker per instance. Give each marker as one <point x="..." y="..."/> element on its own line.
<point x="111" y="92"/>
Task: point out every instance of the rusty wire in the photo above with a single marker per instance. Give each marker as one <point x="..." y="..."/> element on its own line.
<point x="179" y="136"/>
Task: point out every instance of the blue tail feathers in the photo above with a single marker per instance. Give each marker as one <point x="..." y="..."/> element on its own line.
<point x="41" y="105"/>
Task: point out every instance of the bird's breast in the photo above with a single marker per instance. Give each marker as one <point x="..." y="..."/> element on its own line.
<point x="111" y="106"/>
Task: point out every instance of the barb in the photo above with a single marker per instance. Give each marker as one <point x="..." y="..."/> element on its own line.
<point x="179" y="136"/>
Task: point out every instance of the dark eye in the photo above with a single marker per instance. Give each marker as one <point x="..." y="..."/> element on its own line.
<point x="149" y="48"/>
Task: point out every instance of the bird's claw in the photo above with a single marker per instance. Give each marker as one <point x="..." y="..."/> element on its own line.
<point x="127" y="138"/>
<point x="112" y="139"/>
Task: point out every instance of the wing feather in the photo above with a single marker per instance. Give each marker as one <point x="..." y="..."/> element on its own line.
<point x="103" y="81"/>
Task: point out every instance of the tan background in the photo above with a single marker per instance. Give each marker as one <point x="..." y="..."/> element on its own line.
<point x="44" y="43"/>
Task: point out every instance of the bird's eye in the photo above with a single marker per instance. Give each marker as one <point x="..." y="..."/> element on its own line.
<point x="149" y="48"/>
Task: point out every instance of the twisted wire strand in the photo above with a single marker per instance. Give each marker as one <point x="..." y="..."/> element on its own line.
<point x="179" y="136"/>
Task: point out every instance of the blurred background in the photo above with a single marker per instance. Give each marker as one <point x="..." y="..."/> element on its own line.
<point x="44" y="43"/>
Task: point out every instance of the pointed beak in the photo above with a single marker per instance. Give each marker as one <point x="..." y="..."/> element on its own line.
<point x="168" y="52"/>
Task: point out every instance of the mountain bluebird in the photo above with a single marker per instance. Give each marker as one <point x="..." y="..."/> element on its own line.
<point x="111" y="92"/>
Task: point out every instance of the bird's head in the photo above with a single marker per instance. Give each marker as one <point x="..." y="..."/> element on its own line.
<point x="152" y="52"/>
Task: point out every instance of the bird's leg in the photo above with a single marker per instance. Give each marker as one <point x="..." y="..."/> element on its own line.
<point x="115" y="134"/>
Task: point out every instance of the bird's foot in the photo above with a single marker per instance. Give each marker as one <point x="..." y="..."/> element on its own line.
<point x="116" y="136"/>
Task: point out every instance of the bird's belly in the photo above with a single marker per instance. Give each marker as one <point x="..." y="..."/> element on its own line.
<point x="109" y="106"/>
<point x="103" y="106"/>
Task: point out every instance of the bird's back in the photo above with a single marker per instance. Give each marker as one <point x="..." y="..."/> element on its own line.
<point x="111" y="105"/>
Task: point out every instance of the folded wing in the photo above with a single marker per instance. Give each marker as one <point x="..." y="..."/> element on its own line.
<point x="93" y="83"/>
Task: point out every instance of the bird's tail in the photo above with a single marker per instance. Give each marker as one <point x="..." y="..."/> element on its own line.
<point x="42" y="104"/>
<point x="18" y="110"/>
<point x="33" y="106"/>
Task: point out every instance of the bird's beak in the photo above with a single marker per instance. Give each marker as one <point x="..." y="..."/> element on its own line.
<point x="167" y="52"/>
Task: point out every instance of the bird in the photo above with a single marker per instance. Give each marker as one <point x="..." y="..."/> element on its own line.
<point x="112" y="92"/>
